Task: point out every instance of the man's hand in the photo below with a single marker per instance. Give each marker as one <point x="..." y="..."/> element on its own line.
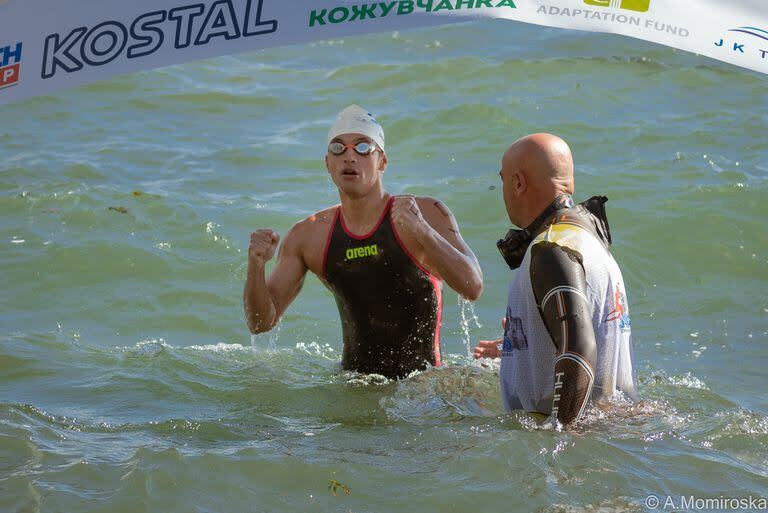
<point x="407" y="217"/>
<point x="262" y="247"/>
<point x="490" y="348"/>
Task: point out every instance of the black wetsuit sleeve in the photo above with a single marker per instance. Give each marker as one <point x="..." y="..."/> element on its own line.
<point x="560" y="287"/>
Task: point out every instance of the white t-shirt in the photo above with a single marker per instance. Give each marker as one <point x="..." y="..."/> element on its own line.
<point x="528" y="352"/>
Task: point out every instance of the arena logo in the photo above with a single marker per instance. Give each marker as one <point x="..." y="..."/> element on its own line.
<point x="10" y="65"/>
<point x="362" y="252"/>
<point x="145" y="35"/>
<point x="630" y="5"/>
<point x="756" y="45"/>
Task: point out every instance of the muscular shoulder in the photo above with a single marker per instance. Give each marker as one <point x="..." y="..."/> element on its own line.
<point x="436" y="213"/>
<point x="431" y="206"/>
<point x="440" y="217"/>
<point x="316" y="221"/>
<point x="309" y="235"/>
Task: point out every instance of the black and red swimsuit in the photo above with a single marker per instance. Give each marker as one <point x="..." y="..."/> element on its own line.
<point x="390" y="306"/>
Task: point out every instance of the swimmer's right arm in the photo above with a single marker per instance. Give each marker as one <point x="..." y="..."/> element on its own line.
<point x="266" y="299"/>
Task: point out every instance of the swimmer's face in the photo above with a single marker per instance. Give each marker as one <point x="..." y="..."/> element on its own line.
<point x="355" y="175"/>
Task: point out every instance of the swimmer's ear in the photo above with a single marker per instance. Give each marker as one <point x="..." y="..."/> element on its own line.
<point x="327" y="167"/>
<point x="383" y="162"/>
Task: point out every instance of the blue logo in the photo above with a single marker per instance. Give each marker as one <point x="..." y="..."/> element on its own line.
<point x="752" y="31"/>
<point x="757" y="44"/>
<point x="514" y="335"/>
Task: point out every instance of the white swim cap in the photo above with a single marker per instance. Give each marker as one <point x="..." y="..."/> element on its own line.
<point x="356" y="120"/>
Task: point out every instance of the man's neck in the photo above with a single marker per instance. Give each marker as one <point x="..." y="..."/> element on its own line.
<point x="361" y="213"/>
<point x="562" y="200"/>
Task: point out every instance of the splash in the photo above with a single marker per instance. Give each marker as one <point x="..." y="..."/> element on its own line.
<point x="316" y="349"/>
<point x="468" y="316"/>
<point x="149" y="348"/>
<point x="214" y="233"/>
<point x="355" y="379"/>
<point x="688" y="380"/>
<point x="270" y="337"/>
<point x="447" y="393"/>
<point x="221" y="347"/>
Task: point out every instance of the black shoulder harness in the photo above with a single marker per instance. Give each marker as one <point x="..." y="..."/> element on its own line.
<point x="589" y="214"/>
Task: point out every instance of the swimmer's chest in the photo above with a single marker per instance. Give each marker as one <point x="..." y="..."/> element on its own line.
<point x="378" y="258"/>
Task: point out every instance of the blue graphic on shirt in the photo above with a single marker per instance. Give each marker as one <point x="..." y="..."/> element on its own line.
<point x="514" y="335"/>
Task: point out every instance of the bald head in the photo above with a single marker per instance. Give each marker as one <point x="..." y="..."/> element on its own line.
<point x="545" y="159"/>
<point x="535" y="169"/>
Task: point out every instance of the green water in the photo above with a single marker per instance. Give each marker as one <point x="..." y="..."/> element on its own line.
<point x="129" y="382"/>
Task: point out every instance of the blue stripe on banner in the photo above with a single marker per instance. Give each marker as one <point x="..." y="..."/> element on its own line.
<point x="751" y="33"/>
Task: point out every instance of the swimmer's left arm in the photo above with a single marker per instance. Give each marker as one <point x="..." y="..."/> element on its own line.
<point x="434" y="226"/>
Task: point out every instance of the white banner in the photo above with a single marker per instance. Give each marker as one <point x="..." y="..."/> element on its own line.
<point x="46" y="45"/>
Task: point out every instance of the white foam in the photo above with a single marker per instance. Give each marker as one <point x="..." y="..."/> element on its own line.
<point x="221" y="347"/>
<point x="688" y="380"/>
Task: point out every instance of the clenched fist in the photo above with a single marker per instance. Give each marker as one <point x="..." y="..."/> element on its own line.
<point x="262" y="247"/>
<point x="406" y="216"/>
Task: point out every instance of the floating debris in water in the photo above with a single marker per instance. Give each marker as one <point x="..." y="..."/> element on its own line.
<point x="334" y="486"/>
<point x="121" y="210"/>
<point x="136" y="193"/>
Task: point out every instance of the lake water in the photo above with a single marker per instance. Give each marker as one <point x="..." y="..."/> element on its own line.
<point x="129" y="381"/>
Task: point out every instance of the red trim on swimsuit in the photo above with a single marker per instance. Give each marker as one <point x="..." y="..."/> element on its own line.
<point x="328" y="241"/>
<point x="373" y="230"/>
<point x="436" y="284"/>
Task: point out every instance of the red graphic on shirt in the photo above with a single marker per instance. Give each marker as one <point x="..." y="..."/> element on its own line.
<point x="619" y="310"/>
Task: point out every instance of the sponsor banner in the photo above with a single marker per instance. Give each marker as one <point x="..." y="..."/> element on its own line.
<point x="46" y="45"/>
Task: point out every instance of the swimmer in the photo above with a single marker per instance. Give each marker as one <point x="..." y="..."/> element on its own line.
<point x="566" y="334"/>
<point x="383" y="257"/>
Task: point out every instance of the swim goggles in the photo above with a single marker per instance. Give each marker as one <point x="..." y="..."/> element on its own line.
<point x="361" y="148"/>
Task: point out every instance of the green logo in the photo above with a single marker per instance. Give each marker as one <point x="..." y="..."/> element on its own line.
<point x="361" y="252"/>
<point x="632" y="5"/>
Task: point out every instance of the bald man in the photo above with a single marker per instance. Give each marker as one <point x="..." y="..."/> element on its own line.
<point x="567" y="335"/>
